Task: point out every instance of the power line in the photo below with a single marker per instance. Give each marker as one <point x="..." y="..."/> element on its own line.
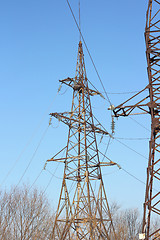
<point x="50" y="180"/>
<point x="131" y="148"/>
<point x="130" y="174"/>
<point x="124" y="143"/>
<point x="35" y="179"/>
<point x="132" y="139"/>
<point x="52" y="174"/>
<point x="9" y="223"/>
<point x="139" y="124"/>
<point x="119" y="93"/>
<point x="107" y="97"/>
<point x="133" y="176"/>
<point x="107" y="148"/>
<point x="33" y="155"/>
<point x="124" y="169"/>
<point x="99" y="76"/>
<point x="101" y="80"/>
<point x="29" y="141"/>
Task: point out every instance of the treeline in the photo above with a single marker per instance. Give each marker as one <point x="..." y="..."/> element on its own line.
<point x="128" y="223"/>
<point x="27" y="215"/>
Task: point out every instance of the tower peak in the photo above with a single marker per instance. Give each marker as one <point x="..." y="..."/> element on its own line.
<point x="80" y="20"/>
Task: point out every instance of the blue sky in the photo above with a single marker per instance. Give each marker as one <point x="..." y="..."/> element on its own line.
<point x="38" y="47"/>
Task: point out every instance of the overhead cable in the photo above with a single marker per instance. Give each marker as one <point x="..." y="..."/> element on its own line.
<point x="33" y="155"/>
<point x="107" y="97"/>
<point x="137" y="178"/>
<point x="139" y="123"/>
<point x="29" y="141"/>
<point x="131" y="148"/>
<point x="119" y="93"/>
<point x="132" y="139"/>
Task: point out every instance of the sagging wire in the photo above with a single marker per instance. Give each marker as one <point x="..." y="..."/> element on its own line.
<point x="139" y="124"/>
<point x="131" y="148"/>
<point x="31" y="138"/>
<point x="64" y="91"/>
<point x="81" y="35"/>
<point x="106" y="174"/>
<point x="100" y="81"/>
<point x="131" y="175"/>
<point x="35" y="180"/>
<point x="52" y="174"/>
<point x="119" y="93"/>
<point x="33" y="155"/>
<point x="37" y="146"/>
<point x="50" y="123"/>
<point x="116" y="139"/>
<point x="9" y="223"/>
<point x="106" y="150"/>
<point x="14" y="210"/>
<point x="132" y="139"/>
<point x="107" y="97"/>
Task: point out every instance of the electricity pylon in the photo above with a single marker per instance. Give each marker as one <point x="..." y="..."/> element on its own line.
<point x="151" y="105"/>
<point x="84" y="213"/>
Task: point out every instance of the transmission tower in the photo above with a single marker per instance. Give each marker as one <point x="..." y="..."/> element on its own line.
<point x="82" y="213"/>
<point x="151" y="105"/>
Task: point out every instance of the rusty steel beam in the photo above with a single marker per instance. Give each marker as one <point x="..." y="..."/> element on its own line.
<point x="84" y="213"/>
<point x="151" y="105"/>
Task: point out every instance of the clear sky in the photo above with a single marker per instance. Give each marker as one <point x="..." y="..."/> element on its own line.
<point x="38" y="46"/>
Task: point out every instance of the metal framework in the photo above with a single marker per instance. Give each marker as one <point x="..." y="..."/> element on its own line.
<point x="84" y="213"/>
<point x="151" y="105"/>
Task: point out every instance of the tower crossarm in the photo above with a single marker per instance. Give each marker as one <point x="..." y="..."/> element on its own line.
<point x="151" y="105"/>
<point x="72" y="120"/>
<point x="141" y="106"/>
<point x="83" y="210"/>
<point x="76" y="84"/>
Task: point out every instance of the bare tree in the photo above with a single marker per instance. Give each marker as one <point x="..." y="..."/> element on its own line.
<point x="25" y="215"/>
<point x="133" y="223"/>
<point x="127" y="223"/>
<point x="5" y="215"/>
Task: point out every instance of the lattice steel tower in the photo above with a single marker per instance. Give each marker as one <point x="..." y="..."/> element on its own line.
<point x="151" y="105"/>
<point x="85" y="213"/>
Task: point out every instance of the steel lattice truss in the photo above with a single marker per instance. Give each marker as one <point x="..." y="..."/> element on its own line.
<point x="151" y="105"/>
<point x="85" y="213"/>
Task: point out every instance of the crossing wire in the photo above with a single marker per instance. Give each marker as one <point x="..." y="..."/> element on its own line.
<point x="119" y="93"/>
<point x="131" y="148"/>
<point x="107" y="97"/>
<point x="140" y="124"/>
<point x="28" y="143"/>
<point x="132" y="139"/>
<point x="35" y="180"/>
<point x="33" y="155"/>
<point x="133" y="176"/>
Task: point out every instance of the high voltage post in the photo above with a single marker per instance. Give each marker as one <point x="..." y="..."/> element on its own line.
<point x="82" y="213"/>
<point x="150" y="105"/>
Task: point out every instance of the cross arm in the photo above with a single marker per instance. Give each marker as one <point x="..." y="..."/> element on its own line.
<point x="74" y="83"/>
<point x="72" y="120"/>
<point x="141" y="106"/>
